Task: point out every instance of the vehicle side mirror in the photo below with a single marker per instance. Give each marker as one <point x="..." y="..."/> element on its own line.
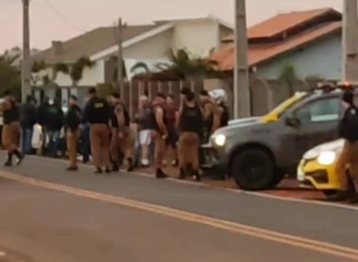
<point x="292" y="121"/>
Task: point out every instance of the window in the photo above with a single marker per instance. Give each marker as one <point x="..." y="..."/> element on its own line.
<point x="319" y="111"/>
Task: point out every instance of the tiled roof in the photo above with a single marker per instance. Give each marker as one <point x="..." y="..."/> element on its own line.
<point x="282" y="22"/>
<point x="90" y="43"/>
<point x="261" y="53"/>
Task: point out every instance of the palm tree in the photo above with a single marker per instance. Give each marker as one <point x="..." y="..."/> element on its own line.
<point x="114" y="60"/>
<point x="75" y="71"/>
<point x="181" y="66"/>
<point x="289" y="77"/>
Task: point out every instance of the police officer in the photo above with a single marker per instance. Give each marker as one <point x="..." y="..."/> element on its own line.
<point x="159" y="132"/>
<point x="72" y="122"/>
<point x="120" y="140"/>
<point x="97" y="113"/>
<point x="11" y="128"/>
<point x="348" y="130"/>
<point x="190" y="125"/>
<point x="211" y="114"/>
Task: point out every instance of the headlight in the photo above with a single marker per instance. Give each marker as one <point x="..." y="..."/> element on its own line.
<point x="220" y="139"/>
<point x="326" y="158"/>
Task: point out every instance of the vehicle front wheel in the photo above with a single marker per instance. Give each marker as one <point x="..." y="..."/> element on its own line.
<point x="253" y="169"/>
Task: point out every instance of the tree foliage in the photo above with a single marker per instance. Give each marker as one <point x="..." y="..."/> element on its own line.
<point x="10" y="76"/>
<point x="75" y="71"/>
<point x="181" y="66"/>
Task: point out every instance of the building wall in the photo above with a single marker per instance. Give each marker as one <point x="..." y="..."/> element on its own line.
<point x="322" y="58"/>
<point x="155" y="47"/>
<point x="91" y="76"/>
<point x="197" y="36"/>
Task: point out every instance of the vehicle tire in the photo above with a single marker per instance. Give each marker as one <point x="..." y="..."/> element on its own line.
<point x="279" y="176"/>
<point x="332" y="195"/>
<point x="253" y="169"/>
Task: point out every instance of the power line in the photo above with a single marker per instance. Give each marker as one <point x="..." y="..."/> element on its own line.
<point x="63" y="18"/>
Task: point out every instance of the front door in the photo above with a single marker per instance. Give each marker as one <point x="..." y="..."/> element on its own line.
<point x="318" y="124"/>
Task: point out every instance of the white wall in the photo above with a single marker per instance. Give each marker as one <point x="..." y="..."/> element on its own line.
<point x="155" y="47"/>
<point x="197" y="36"/>
<point x="91" y="76"/>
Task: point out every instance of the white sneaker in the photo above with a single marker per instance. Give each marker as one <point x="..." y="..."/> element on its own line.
<point x="144" y="162"/>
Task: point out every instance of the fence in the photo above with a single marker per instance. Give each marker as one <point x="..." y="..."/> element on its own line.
<point x="134" y="89"/>
<point x="265" y="94"/>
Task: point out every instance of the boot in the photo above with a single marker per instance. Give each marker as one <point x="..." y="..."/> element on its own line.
<point x="72" y="168"/>
<point x="353" y="199"/>
<point x="115" y="167"/>
<point x="182" y="174"/>
<point x="160" y="174"/>
<point x="107" y="170"/>
<point x="98" y="170"/>
<point x="19" y="156"/>
<point x="197" y="176"/>
<point x="130" y="164"/>
<point x="9" y="160"/>
<point x="342" y="195"/>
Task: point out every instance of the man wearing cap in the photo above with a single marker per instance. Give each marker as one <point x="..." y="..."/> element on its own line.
<point x="348" y="130"/>
<point x="97" y="113"/>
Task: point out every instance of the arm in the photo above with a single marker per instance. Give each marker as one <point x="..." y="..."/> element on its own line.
<point x="4" y="106"/>
<point x="120" y="115"/>
<point x="159" y="114"/>
<point x="207" y="111"/>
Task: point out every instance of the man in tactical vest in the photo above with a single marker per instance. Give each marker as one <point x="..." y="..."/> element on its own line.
<point x="97" y="113"/>
<point x="159" y="133"/>
<point x="11" y="128"/>
<point x="120" y="139"/>
<point x="72" y="123"/>
<point x="211" y="114"/>
<point x="190" y="125"/>
<point x="348" y="130"/>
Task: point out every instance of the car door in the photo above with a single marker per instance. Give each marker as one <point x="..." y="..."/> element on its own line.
<point x="318" y="121"/>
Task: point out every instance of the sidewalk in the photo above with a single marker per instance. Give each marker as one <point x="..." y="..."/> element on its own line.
<point x="289" y="187"/>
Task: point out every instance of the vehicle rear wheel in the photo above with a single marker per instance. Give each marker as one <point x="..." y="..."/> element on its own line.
<point x="253" y="169"/>
<point x="279" y="176"/>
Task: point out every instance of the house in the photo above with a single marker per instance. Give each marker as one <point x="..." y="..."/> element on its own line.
<point x="310" y="41"/>
<point x="143" y="43"/>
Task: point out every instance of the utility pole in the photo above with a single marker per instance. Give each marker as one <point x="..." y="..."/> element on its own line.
<point x="349" y="41"/>
<point x="120" y="57"/>
<point x="26" y="56"/>
<point x="241" y="90"/>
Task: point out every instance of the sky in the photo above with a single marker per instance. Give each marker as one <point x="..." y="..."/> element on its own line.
<point x="63" y="19"/>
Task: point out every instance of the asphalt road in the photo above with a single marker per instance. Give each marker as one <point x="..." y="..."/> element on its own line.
<point x="59" y="221"/>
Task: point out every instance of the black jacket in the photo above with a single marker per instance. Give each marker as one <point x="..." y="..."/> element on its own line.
<point x="73" y="117"/>
<point x="348" y="126"/>
<point x="28" y="115"/>
<point x="54" y="117"/>
<point x="42" y="114"/>
<point x="97" y="111"/>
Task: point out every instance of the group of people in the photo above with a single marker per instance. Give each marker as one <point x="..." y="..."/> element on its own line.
<point x="161" y="124"/>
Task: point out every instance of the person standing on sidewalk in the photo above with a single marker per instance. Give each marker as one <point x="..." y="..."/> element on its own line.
<point x="142" y="119"/>
<point x="28" y="118"/>
<point x="72" y="123"/>
<point x="97" y="113"/>
<point x="348" y="130"/>
<point x="171" y="111"/>
<point x="11" y="128"/>
<point x="190" y="125"/>
<point x="159" y="133"/>
<point x="120" y="123"/>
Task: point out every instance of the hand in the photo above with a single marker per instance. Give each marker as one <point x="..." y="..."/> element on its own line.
<point x="120" y="135"/>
